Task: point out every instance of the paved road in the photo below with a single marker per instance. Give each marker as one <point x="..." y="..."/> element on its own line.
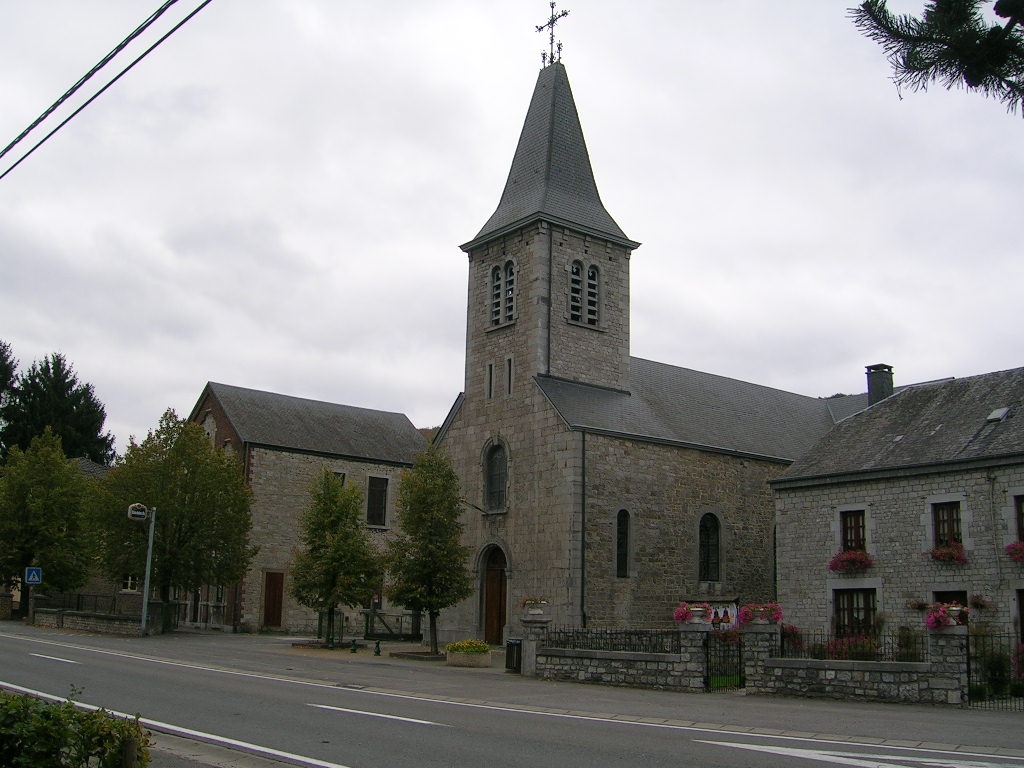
<point x="730" y="729"/>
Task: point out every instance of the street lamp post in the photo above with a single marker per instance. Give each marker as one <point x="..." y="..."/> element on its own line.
<point x="140" y="512"/>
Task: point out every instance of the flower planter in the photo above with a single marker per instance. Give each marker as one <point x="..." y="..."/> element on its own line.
<point x="459" y="659"/>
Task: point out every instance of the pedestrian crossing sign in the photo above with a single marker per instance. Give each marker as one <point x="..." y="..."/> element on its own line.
<point x="33" y="575"/>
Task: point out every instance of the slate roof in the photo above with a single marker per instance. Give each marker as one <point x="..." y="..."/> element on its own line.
<point x="551" y="177"/>
<point x="927" y="425"/>
<point x="294" y="423"/>
<point x="681" y="406"/>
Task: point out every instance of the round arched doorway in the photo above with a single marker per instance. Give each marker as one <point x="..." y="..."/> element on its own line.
<point x="495" y="595"/>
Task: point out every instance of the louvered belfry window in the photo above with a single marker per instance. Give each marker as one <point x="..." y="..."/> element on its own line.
<point x="503" y="293"/>
<point x="584" y="295"/>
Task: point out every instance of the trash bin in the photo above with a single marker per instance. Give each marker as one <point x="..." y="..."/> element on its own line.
<point x="514" y="655"/>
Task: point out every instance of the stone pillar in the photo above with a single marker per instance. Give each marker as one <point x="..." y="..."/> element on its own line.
<point x="947" y="652"/>
<point x="6" y="605"/>
<point x="693" y="655"/>
<point x="760" y="643"/>
<point x="535" y="632"/>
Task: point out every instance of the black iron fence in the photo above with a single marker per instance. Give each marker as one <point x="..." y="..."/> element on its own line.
<point x="904" y="645"/>
<point x="73" y="601"/>
<point x="724" y="653"/>
<point x="995" y="672"/>
<point x="626" y="640"/>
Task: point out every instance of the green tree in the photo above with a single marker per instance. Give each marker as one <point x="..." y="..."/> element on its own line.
<point x="952" y="43"/>
<point x="49" y="394"/>
<point x="337" y="564"/>
<point x="42" y="507"/>
<point x="202" y="511"/>
<point x="426" y="561"/>
<point x="8" y="365"/>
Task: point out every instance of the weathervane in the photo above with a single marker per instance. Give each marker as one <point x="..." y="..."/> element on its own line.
<point x="549" y="56"/>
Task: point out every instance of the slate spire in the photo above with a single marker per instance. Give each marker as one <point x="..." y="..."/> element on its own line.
<point x="551" y="177"/>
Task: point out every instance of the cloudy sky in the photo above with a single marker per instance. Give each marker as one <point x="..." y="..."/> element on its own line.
<point x="274" y="198"/>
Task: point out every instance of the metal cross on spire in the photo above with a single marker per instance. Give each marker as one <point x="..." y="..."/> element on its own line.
<point x="549" y="57"/>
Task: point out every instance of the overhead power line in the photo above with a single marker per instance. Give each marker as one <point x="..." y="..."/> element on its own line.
<point x="106" y="59"/>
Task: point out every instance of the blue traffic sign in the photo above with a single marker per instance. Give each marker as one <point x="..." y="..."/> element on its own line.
<point x="33" y="575"/>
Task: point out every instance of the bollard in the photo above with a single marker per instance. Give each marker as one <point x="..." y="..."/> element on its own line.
<point x="376" y="648"/>
<point x="353" y="649"/>
<point x="130" y="753"/>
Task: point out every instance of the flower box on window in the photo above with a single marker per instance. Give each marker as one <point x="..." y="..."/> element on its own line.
<point x="1016" y="551"/>
<point x="850" y="561"/>
<point x="949" y="553"/>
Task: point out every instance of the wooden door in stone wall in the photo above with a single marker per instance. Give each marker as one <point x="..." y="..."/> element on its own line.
<point x="495" y="597"/>
<point x="273" y="598"/>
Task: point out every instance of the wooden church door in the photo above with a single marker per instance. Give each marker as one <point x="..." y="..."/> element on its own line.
<point x="495" y="597"/>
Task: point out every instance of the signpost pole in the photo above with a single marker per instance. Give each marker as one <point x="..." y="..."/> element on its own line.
<point x="149" y="563"/>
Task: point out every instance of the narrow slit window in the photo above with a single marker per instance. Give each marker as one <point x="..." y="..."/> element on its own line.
<point x="622" y="544"/>
<point x="508" y="375"/>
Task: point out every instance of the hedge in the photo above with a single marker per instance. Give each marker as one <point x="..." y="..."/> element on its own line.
<point x="36" y="733"/>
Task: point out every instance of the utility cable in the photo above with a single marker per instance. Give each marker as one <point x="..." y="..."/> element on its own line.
<point x="98" y="93"/>
<point x="103" y="62"/>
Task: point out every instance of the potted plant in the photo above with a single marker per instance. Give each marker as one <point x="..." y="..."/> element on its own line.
<point x="1016" y="551"/>
<point x="468" y="653"/>
<point x="850" y="561"/>
<point x="949" y="553"/>
<point x="692" y="613"/>
<point x="533" y="605"/>
<point x="760" y="613"/>
<point x="941" y="615"/>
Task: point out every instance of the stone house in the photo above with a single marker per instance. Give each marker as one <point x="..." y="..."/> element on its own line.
<point x="608" y="485"/>
<point x="282" y="443"/>
<point x="930" y="469"/>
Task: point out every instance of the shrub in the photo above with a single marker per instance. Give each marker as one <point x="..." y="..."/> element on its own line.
<point x="36" y="733"/>
<point x="468" y="646"/>
<point x="792" y="638"/>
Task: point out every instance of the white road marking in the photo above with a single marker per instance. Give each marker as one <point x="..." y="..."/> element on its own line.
<point x="210" y="738"/>
<point x="864" y="760"/>
<point x="53" y="658"/>
<point x="377" y="714"/>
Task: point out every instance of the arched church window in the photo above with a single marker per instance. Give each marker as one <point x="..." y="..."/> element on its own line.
<point x="584" y="293"/>
<point x="622" y="544"/>
<point x="496" y="477"/>
<point x="709" y="557"/>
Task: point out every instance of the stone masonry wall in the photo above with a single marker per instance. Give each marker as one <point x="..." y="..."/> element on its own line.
<point x="940" y="680"/>
<point x="281" y="482"/>
<point x="898" y="517"/>
<point x="666" y="490"/>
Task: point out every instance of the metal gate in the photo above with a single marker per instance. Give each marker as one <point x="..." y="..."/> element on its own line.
<point x="995" y="672"/>
<point x="724" y="661"/>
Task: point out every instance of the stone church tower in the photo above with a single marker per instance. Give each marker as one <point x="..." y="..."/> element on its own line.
<point x="610" y="486"/>
<point x="549" y="298"/>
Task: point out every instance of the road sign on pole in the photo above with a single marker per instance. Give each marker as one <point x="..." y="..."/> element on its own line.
<point x="137" y="512"/>
<point x="34" y="576"/>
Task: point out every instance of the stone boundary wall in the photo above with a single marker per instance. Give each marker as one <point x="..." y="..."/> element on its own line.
<point x="6" y="606"/>
<point x="106" y="624"/>
<point x="940" y="680"/>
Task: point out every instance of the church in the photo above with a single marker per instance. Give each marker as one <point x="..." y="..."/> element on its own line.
<point x="608" y="486"/>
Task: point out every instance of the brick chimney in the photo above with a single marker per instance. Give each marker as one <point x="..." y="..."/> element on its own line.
<point x="879" y="382"/>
